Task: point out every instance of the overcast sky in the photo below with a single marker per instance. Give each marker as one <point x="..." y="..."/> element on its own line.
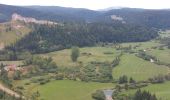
<point x="94" y="4"/>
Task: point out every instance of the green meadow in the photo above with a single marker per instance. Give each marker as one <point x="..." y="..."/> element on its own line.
<point x="11" y="36"/>
<point x="138" y="68"/>
<point x="62" y="58"/>
<point x="160" y="90"/>
<point x="64" y="89"/>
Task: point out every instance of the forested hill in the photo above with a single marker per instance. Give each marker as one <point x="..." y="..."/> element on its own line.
<point x="145" y="17"/>
<point x="50" y="38"/>
<point x="6" y="12"/>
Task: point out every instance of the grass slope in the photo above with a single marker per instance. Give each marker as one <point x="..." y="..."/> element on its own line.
<point x="160" y="90"/>
<point x="162" y="55"/>
<point x="8" y="37"/>
<point x="62" y="58"/>
<point x="137" y="68"/>
<point x="67" y="90"/>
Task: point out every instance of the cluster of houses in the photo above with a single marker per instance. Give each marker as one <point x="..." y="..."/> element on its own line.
<point x="12" y="67"/>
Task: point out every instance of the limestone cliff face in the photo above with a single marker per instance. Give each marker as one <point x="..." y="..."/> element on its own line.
<point x="17" y="17"/>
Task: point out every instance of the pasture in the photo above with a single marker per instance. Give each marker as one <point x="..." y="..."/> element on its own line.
<point x="65" y="89"/>
<point x="160" y="90"/>
<point x="10" y="34"/>
<point x="162" y="55"/>
<point x="87" y="55"/>
<point x="138" y="68"/>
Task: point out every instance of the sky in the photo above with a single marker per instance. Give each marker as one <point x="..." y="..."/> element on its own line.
<point x="94" y="4"/>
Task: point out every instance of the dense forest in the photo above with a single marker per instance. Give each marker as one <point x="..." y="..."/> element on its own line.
<point x="47" y="38"/>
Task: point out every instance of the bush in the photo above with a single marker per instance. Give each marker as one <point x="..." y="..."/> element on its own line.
<point x="123" y="79"/>
<point x="75" y="53"/>
<point x="131" y="80"/>
<point x="143" y="95"/>
<point x="59" y="77"/>
<point x="27" y="83"/>
<point x="98" y="95"/>
<point x="108" y="53"/>
<point x="20" y="87"/>
<point x="157" y="79"/>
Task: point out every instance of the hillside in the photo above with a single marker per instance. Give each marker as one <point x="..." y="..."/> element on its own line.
<point x="51" y="38"/>
<point x="146" y="17"/>
<point x="64" y="53"/>
<point x="12" y="31"/>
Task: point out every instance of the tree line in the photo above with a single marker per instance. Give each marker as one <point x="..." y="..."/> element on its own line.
<point x="47" y="38"/>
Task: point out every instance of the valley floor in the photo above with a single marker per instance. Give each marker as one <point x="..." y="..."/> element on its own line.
<point x="130" y="65"/>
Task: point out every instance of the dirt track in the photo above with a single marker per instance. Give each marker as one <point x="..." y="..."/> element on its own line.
<point x="9" y="91"/>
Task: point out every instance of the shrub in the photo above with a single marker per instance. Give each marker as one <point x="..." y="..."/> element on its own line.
<point x="75" y="53"/>
<point x="123" y="79"/>
<point x="143" y="95"/>
<point x="98" y="95"/>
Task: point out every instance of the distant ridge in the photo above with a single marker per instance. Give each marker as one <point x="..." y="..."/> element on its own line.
<point x="157" y="18"/>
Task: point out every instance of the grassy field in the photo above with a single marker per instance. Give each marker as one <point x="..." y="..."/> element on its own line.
<point x="160" y="90"/>
<point x="137" y="68"/>
<point x="7" y="37"/>
<point x="12" y="62"/>
<point x="130" y="65"/>
<point x="162" y="55"/>
<point x="142" y="45"/>
<point x="66" y="89"/>
<point x="62" y="58"/>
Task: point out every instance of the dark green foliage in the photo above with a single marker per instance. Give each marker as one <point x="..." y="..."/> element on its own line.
<point x="4" y="76"/>
<point x="137" y="85"/>
<point x="59" y="76"/>
<point x="42" y="65"/>
<point x="123" y="79"/>
<point x="97" y="73"/>
<point x="98" y="95"/>
<point x="145" y="56"/>
<point x="35" y="95"/>
<point x="165" y="41"/>
<point x="139" y="95"/>
<point x="116" y="61"/>
<point x="157" y="79"/>
<point x="5" y="96"/>
<point x="131" y="80"/>
<point x="75" y="53"/>
<point x="17" y="75"/>
<point x="126" y="86"/>
<point x="50" y="38"/>
<point x="71" y="73"/>
<point x="144" y="95"/>
<point x="12" y="55"/>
